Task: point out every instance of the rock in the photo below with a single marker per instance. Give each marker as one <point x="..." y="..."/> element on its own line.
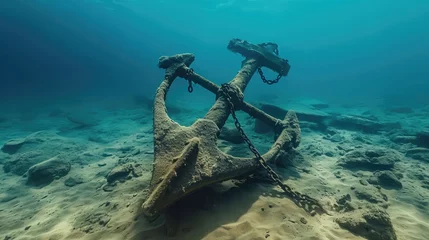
<point x="312" y="126"/>
<point x="120" y="173"/>
<point x="371" y="159"/>
<point x="231" y="135"/>
<point x="73" y="181"/>
<point x="304" y="113"/>
<point x="12" y="146"/>
<point x="372" y="223"/>
<point x="421" y="154"/>
<point x="403" y="139"/>
<point x="386" y="179"/>
<point x="337" y="137"/>
<point x="363" y="182"/>
<point x="343" y="199"/>
<point x="356" y="123"/>
<point x="422" y="139"/>
<point x="45" y="172"/>
<point x="370" y="194"/>
<point x="21" y="162"/>
<point x="108" y="187"/>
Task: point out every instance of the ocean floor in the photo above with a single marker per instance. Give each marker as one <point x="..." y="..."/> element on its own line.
<point x="83" y="171"/>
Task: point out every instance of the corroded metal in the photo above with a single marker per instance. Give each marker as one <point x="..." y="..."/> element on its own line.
<point x="187" y="158"/>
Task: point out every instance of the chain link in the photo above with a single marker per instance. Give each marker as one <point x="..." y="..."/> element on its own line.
<point x="269" y="82"/>
<point x="275" y="50"/>
<point x="308" y="203"/>
<point x="188" y="73"/>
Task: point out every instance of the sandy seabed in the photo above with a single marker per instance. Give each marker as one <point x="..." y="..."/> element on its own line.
<point x="81" y="205"/>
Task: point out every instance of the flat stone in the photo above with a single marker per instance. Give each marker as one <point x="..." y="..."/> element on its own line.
<point x="356" y="123"/>
<point x="47" y="171"/>
<point x="12" y="146"/>
<point x="370" y="159"/>
<point x="370" y="194"/>
<point x="73" y="181"/>
<point x="386" y="179"/>
<point x="120" y="173"/>
<point x="421" y="154"/>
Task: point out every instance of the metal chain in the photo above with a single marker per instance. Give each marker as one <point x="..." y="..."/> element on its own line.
<point x="308" y="203"/>
<point x="269" y="82"/>
<point x="188" y="73"/>
<point x="276" y="52"/>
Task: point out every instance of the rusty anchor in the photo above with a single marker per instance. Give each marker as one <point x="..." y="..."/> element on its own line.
<point x="187" y="158"/>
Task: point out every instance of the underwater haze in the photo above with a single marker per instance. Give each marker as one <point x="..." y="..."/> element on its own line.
<point x="367" y="51"/>
<point x="85" y="142"/>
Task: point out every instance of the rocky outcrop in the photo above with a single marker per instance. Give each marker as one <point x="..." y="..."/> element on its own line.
<point x="421" y="154"/>
<point x="231" y="135"/>
<point x="370" y="159"/>
<point x="21" y="162"/>
<point x="356" y="123"/>
<point x="47" y="171"/>
<point x="372" y="223"/>
<point x="314" y="118"/>
<point x="386" y="179"/>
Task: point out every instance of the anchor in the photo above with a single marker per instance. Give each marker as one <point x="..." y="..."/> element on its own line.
<point x="187" y="158"/>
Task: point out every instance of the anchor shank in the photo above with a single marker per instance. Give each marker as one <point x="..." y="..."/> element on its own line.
<point x="219" y="113"/>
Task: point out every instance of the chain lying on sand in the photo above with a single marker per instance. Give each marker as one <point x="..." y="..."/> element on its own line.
<point x="306" y="202"/>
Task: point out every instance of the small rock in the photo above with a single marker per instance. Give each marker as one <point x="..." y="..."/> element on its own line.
<point x="303" y="220"/>
<point x="343" y="199"/>
<point x="120" y="173"/>
<point x="73" y="181"/>
<point x="12" y="146"/>
<point x="108" y="187"/>
<point x="363" y="182"/>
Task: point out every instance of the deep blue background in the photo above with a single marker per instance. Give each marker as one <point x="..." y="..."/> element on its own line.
<point x="362" y="51"/>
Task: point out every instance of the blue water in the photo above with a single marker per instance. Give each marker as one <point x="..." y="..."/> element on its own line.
<point x="359" y="51"/>
<point x="77" y="83"/>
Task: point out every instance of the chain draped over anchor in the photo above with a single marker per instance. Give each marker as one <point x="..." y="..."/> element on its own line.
<point x="310" y="204"/>
<point x="188" y="73"/>
<point x="274" y="48"/>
